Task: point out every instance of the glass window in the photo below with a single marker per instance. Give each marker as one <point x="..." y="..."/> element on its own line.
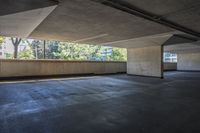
<point x="169" y="57"/>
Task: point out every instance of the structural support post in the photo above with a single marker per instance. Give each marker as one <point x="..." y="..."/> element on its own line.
<point x="44" y="49"/>
<point x="146" y="61"/>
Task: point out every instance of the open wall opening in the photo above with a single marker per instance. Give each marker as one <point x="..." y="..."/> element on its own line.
<point x="169" y="61"/>
<point x="21" y="57"/>
<point x="187" y="56"/>
<point x="182" y="57"/>
<point x="58" y="50"/>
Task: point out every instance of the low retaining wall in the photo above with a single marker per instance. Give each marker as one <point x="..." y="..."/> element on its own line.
<point x="170" y="66"/>
<point x="16" y="68"/>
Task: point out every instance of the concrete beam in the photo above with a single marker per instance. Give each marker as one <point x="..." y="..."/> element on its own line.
<point x="146" y="61"/>
<point x="183" y="48"/>
<point x="180" y="39"/>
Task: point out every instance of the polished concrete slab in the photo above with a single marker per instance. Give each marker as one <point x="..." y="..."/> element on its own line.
<point x="102" y="104"/>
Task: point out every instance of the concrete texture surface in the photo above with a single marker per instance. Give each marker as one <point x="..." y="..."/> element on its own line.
<point x="145" y="61"/>
<point x="94" y="23"/>
<point x="183" y="12"/>
<point x="102" y="104"/>
<point x="170" y="66"/>
<point x="180" y="39"/>
<point x="58" y="67"/>
<point x="22" y="24"/>
<point x="16" y="6"/>
<point x="183" y="48"/>
<point x="189" y="61"/>
<point x="86" y="20"/>
<point x="154" y="40"/>
<point x="83" y="20"/>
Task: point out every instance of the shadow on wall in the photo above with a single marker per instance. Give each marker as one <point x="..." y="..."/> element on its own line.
<point x="170" y="66"/>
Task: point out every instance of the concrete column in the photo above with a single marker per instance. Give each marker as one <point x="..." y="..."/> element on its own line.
<point x="188" y="61"/>
<point x="146" y="61"/>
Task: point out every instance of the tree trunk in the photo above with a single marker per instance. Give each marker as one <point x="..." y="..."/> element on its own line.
<point x="16" y="42"/>
<point x="15" y="51"/>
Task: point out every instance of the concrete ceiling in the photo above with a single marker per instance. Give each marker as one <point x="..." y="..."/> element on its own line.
<point x="183" y="48"/>
<point x="79" y="20"/>
<point x="23" y="23"/>
<point x="15" y="6"/>
<point x="180" y="39"/>
<point x="153" y="40"/>
<point x="90" y="21"/>
<point x="183" y="12"/>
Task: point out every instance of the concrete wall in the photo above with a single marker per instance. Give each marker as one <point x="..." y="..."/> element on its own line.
<point x="145" y="61"/>
<point x="12" y="68"/>
<point x="189" y="61"/>
<point x="170" y="66"/>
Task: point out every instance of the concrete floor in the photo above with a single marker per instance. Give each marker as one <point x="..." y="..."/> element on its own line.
<point x="103" y="104"/>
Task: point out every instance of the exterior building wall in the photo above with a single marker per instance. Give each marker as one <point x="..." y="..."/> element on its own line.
<point x="6" y="48"/>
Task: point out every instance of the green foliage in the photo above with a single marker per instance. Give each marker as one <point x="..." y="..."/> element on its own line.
<point x="8" y="56"/>
<point x="37" y="49"/>
<point x="70" y="51"/>
<point x="26" y="54"/>
<point x="1" y="39"/>
<point x="118" y="54"/>
<point x="52" y="49"/>
<point x="34" y="49"/>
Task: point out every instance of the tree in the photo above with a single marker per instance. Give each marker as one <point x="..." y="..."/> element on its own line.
<point x="71" y="51"/>
<point x="1" y="40"/>
<point x="26" y="54"/>
<point x="36" y="46"/>
<point x="15" y="42"/>
<point x="67" y="51"/>
<point x="52" y="49"/>
<point x="118" y="54"/>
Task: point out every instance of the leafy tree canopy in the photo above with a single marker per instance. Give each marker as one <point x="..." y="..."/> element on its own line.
<point x="34" y="49"/>
<point x="1" y="40"/>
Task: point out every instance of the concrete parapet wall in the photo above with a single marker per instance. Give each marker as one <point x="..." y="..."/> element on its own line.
<point x="170" y="66"/>
<point x="189" y="61"/>
<point x="15" y="68"/>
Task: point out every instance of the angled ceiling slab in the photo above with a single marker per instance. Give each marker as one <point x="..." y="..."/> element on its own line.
<point x="90" y="22"/>
<point x="23" y="23"/>
<point x="180" y="39"/>
<point x="183" y="48"/>
<point x="15" y="6"/>
<point x="155" y="40"/>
